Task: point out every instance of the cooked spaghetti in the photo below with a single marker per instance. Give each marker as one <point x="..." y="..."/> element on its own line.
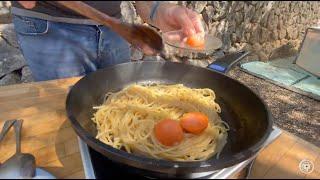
<point x="127" y="118"/>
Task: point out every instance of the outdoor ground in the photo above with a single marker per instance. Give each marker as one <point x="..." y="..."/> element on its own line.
<point x="293" y="112"/>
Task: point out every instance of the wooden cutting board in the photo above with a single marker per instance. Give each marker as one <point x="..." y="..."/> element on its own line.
<point x="48" y="135"/>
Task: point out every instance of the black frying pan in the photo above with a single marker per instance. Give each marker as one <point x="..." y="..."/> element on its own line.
<point x="242" y="109"/>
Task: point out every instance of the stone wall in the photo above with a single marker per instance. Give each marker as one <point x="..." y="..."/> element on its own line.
<point x="269" y="29"/>
<point x="13" y="68"/>
<point x="5" y="12"/>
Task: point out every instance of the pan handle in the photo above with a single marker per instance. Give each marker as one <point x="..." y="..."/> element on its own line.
<point x="225" y="63"/>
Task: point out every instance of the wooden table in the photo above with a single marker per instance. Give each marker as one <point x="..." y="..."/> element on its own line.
<point x="48" y="135"/>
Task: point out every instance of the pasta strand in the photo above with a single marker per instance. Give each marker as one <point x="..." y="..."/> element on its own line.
<point x="127" y="118"/>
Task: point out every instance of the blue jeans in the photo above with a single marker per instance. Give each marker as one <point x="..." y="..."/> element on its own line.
<point x="59" y="50"/>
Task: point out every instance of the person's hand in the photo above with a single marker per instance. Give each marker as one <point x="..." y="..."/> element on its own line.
<point x="172" y="17"/>
<point x="28" y="4"/>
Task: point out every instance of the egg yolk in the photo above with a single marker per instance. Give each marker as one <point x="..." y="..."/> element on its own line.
<point x="168" y="132"/>
<point x="194" y="122"/>
<point x="196" y="41"/>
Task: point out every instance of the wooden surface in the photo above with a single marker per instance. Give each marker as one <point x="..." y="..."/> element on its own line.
<point x="47" y="134"/>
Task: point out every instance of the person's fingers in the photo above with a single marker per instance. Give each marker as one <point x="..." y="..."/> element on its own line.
<point x="28" y="4"/>
<point x="174" y="36"/>
<point x="196" y="20"/>
<point x="185" y="22"/>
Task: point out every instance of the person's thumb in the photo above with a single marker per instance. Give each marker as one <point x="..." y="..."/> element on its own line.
<point x="28" y="4"/>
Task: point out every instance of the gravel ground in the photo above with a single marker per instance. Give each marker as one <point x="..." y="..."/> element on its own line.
<point x="292" y="112"/>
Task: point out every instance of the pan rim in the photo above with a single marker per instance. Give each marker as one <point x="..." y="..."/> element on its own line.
<point x="158" y="165"/>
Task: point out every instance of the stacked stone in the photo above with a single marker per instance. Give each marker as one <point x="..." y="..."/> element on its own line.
<point x="13" y="68"/>
<point x="5" y="16"/>
<point x="268" y="28"/>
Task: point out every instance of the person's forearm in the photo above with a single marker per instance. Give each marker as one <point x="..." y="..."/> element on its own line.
<point x="144" y="10"/>
<point x="28" y="4"/>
